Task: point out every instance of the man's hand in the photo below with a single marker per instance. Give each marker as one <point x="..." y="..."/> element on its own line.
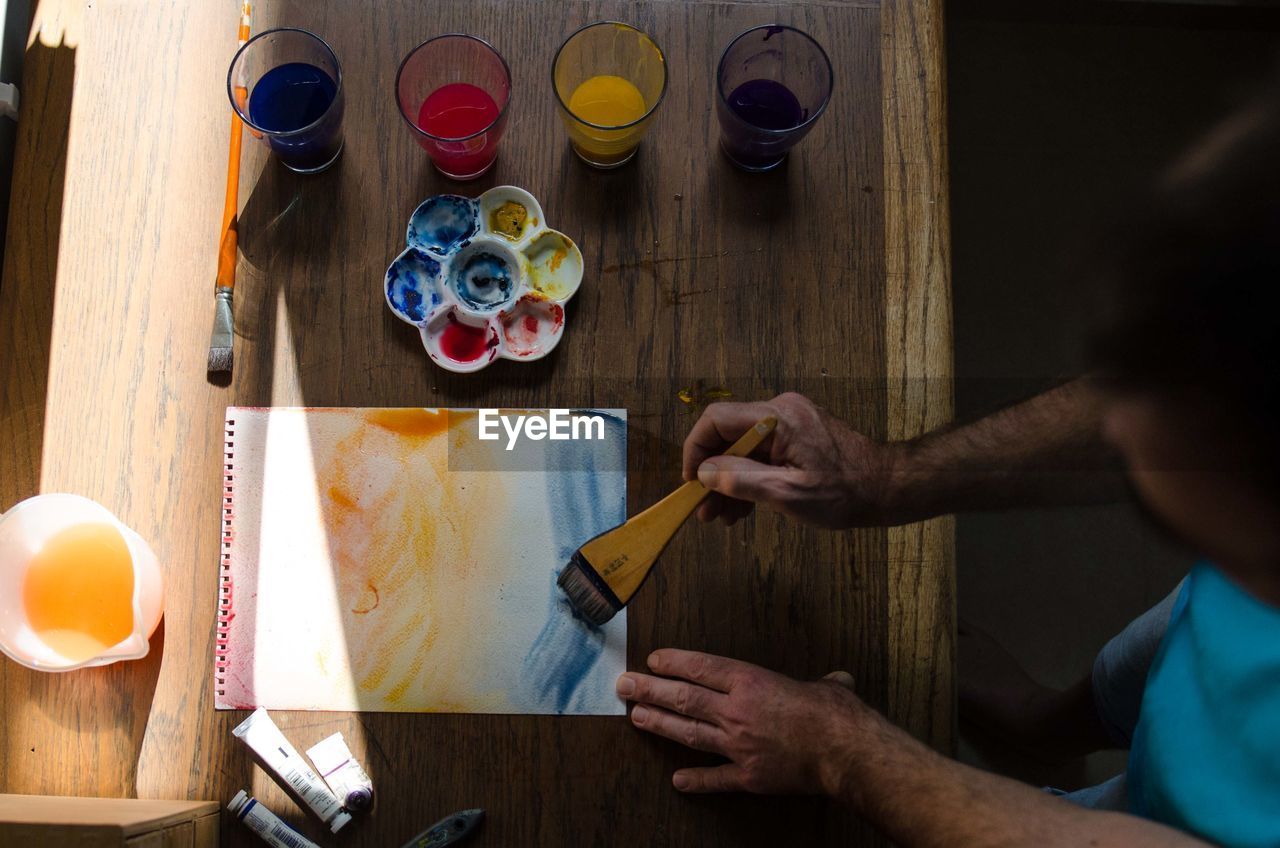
<point x="813" y="468"/>
<point x="780" y="735"/>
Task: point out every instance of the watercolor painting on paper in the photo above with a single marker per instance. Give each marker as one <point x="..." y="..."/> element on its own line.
<point x="367" y="568"/>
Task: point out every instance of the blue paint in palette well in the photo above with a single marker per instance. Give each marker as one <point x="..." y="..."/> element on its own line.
<point x="444" y="224"/>
<point x="411" y="286"/>
<point x="583" y="503"/>
<point x="483" y="281"/>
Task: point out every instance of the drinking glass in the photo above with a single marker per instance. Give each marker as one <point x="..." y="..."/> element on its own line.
<point x="772" y="84"/>
<point x="286" y="85"/>
<point x="609" y="77"/>
<point x="453" y="92"/>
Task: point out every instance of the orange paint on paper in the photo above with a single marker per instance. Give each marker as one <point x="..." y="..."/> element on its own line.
<point x="78" y="592"/>
<point x="341" y="498"/>
<point x="411" y="422"/>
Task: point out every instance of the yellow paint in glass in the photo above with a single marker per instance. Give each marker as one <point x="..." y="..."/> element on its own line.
<point x="607" y="101"/>
<point x="78" y="592"/>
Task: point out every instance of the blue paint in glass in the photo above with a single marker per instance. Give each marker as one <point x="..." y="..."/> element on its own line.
<point x="443" y="224"/>
<point x="411" y="288"/>
<point x="483" y="281"/>
<point x="302" y="102"/>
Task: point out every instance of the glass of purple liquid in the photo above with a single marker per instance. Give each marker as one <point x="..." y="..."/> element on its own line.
<point x="772" y="84"/>
<point x="286" y="85"/>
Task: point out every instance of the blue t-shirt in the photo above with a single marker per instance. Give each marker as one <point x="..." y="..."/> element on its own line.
<point x="1206" y="752"/>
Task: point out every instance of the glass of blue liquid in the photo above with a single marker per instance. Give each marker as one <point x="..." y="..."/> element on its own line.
<point x="772" y="84"/>
<point x="286" y="85"/>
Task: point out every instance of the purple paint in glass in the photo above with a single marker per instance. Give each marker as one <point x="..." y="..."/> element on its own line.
<point x="772" y="84"/>
<point x="766" y="104"/>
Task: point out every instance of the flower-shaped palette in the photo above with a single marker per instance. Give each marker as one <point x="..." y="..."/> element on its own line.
<point x="484" y="278"/>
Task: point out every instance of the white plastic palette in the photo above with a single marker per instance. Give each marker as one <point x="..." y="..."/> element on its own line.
<point x="484" y="279"/>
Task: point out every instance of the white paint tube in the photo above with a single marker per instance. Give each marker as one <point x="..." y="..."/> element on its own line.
<point x="333" y="759"/>
<point x="289" y="769"/>
<point x="274" y="831"/>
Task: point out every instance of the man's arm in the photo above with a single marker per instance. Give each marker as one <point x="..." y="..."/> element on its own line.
<point x="920" y="798"/>
<point x="781" y="736"/>
<point x="1046" y="450"/>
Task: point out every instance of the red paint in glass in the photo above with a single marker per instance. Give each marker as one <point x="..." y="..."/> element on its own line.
<point x="455" y="111"/>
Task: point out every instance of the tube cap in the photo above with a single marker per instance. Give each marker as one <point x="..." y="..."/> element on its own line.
<point x="339" y="821"/>
<point x="239" y="801"/>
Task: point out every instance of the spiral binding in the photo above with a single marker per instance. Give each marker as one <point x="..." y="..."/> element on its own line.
<point x="225" y="613"/>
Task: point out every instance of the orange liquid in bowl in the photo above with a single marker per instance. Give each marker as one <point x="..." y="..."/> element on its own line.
<point x="78" y="592"/>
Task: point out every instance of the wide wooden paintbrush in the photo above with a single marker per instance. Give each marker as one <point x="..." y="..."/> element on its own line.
<point x="604" y="574"/>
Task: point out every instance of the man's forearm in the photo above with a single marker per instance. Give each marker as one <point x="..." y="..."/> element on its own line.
<point x="920" y="798"/>
<point x="1048" y="450"/>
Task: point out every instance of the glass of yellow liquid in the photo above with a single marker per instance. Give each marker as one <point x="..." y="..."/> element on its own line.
<point x="609" y="78"/>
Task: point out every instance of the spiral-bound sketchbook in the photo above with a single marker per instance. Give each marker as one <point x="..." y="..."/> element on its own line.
<point x="383" y="560"/>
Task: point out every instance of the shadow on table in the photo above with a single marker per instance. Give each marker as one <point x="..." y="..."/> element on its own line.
<point x="109" y="704"/>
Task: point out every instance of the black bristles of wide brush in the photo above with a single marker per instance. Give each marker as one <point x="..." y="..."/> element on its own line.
<point x="589" y="594"/>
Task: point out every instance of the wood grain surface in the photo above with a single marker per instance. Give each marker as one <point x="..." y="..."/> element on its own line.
<point x="828" y="276"/>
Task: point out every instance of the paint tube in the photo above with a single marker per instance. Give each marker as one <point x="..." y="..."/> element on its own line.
<point x="332" y="758"/>
<point x="289" y="769"/>
<point x="274" y="831"/>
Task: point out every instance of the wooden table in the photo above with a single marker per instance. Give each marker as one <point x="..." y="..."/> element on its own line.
<point x="828" y="276"/>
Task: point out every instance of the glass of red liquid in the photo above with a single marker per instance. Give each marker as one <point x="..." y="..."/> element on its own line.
<point x="772" y="84"/>
<point x="453" y="92"/>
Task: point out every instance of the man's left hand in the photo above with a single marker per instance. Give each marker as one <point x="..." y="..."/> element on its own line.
<point x="780" y="735"/>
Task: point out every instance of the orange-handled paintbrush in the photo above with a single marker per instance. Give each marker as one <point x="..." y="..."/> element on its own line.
<point x="220" y="356"/>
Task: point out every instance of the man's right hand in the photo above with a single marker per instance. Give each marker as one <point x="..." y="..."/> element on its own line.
<point x="812" y="468"/>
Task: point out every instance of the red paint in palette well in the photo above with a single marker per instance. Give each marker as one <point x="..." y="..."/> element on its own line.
<point x="464" y="343"/>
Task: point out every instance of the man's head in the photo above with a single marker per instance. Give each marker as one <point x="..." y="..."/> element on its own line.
<point x="1192" y="351"/>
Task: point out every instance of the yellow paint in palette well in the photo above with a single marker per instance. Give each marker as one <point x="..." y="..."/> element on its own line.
<point x="555" y="266"/>
<point x="607" y="101"/>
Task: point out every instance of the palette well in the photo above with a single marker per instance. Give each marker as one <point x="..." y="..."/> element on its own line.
<point x="484" y="279"/>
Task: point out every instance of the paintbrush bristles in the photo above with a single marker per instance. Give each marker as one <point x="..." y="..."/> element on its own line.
<point x="580" y="589"/>
<point x="220" y="356"/>
<point x="220" y="359"/>
<point x="605" y="573"/>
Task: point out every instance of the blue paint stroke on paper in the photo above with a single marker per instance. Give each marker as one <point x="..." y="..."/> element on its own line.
<point x="583" y="503"/>
<point x="563" y="654"/>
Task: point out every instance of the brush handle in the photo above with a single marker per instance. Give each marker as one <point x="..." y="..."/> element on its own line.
<point x="624" y="556"/>
<point x="227" y="242"/>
